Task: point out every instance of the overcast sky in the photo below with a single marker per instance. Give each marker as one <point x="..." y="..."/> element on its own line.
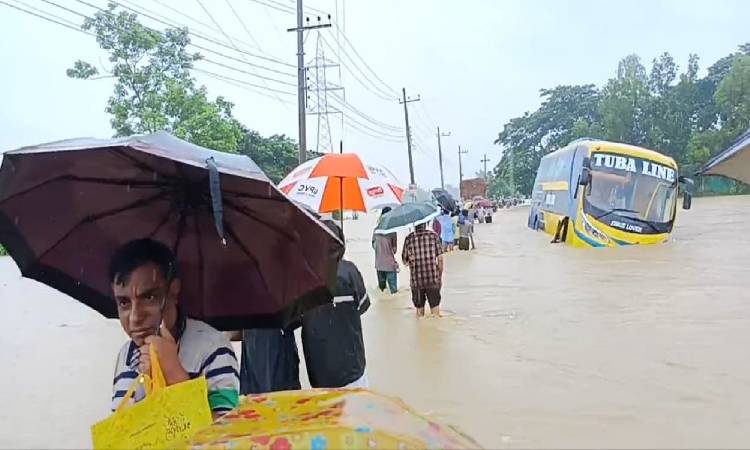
<point x="475" y="63"/>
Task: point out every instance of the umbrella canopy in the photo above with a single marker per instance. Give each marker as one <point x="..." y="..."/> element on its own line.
<point x="341" y="181"/>
<point x="482" y="202"/>
<point x="733" y="162"/>
<point x="408" y="214"/>
<point x="445" y="199"/>
<point x="322" y="419"/>
<point x="246" y="255"/>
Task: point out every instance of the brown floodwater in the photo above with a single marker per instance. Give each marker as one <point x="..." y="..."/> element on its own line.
<point x="541" y="345"/>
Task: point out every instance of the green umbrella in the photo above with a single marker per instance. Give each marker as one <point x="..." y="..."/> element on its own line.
<point x="408" y="214"/>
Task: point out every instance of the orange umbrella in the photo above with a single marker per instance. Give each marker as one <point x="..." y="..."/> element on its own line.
<point x="337" y="182"/>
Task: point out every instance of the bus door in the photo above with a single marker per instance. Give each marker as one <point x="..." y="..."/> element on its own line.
<point x="576" y="192"/>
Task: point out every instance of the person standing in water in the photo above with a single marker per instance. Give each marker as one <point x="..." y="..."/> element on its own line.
<point x="385" y="246"/>
<point x="466" y="226"/>
<point x="423" y="253"/>
<point x="332" y="339"/>
<point x="447" y="235"/>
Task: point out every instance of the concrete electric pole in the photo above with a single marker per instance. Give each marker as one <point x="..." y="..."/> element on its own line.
<point x="440" y="156"/>
<point x="485" y="161"/>
<point x="408" y="131"/>
<point x="461" y="172"/>
<point x="301" y="85"/>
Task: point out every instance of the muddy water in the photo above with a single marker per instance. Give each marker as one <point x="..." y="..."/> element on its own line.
<point x="542" y="345"/>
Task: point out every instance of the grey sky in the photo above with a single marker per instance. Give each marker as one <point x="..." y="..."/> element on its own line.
<point x="475" y="63"/>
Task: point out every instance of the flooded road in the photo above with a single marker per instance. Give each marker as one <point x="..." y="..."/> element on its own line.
<point x="542" y="345"/>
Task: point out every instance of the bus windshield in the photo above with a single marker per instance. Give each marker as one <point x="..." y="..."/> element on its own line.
<point x="631" y="188"/>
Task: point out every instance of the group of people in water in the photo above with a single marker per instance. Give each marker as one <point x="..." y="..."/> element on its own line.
<point x="423" y="252"/>
<point x="456" y="228"/>
<point x="146" y="289"/>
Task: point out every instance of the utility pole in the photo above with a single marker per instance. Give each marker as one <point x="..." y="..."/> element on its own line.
<point x="408" y="130"/>
<point x="440" y="156"/>
<point x="461" y="172"/>
<point x="301" y="87"/>
<point x="485" y="161"/>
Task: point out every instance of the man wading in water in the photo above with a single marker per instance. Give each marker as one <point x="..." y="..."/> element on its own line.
<point x="423" y="253"/>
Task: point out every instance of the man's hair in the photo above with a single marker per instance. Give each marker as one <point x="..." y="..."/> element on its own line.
<point x="134" y="254"/>
<point x="386" y="210"/>
<point x="420" y="226"/>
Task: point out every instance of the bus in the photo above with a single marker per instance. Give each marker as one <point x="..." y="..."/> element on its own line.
<point x="604" y="194"/>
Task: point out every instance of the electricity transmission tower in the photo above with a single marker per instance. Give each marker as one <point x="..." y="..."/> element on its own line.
<point x="319" y="106"/>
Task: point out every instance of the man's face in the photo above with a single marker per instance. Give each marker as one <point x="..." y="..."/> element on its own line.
<point x="144" y="299"/>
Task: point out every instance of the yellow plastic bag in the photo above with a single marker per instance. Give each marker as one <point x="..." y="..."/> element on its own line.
<point x="167" y="413"/>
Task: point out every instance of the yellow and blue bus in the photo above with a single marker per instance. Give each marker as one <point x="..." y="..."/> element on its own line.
<point x="604" y="194"/>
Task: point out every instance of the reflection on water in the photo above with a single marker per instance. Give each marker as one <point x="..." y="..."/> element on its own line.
<point x="542" y="345"/>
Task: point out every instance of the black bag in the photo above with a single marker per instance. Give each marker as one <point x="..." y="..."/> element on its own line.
<point x="488" y="219"/>
<point x="463" y="243"/>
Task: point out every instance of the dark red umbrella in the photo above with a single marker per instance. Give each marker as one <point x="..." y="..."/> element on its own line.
<point x="247" y="256"/>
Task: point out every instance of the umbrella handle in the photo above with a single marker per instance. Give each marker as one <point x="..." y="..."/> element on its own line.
<point x="214" y="184"/>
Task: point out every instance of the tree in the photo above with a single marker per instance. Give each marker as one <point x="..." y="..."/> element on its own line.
<point x="686" y="117"/>
<point x="663" y="74"/>
<point x="153" y="87"/>
<point x="526" y="139"/>
<point x="276" y="155"/>
<point x="733" y="96"/>
<point x="625" y="101"/>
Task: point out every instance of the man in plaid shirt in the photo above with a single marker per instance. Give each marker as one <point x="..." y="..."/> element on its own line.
<point x="423" y="253"/>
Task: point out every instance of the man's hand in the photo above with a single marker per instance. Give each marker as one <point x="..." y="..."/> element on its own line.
<point x="166" y="349"/>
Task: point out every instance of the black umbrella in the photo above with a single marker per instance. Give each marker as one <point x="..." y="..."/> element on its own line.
<point x="445" y="199"/>
<point x="408" y="214"/>
<point x="247" y="256"/>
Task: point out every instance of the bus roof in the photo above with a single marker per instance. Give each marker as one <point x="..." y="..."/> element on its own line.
<point x="618" y="147"/>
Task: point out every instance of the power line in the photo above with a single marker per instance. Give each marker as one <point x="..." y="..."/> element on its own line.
<point x="216" y="63"/>
<point x="399" y="138"/>
<point x="355" y="127"/>
<point x="242" y="22"/>
<point x="224" y="55"/>
<point x="309" y="8"/>
<point x="197" y="35"/>
<point x="385" y="129"/>
<point x="387" y="94"/>
<point x="346" y="39"/>
<point x="204" y="24"/>
<point x="370" y="119"/>
<point x="60" y="21"/>
<point x="193" y="45"/>
<point x="373" y="90"/>
<point x="210" y="16"/>
<point x="74" y="28"/>
<point x="276" y="6"/>
<point x="246" y="84"/>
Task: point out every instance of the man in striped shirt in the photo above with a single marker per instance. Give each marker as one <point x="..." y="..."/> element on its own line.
<point x="146" y="289"/>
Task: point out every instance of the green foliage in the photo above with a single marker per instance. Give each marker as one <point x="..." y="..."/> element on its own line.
<point x="276" y="155"/>
<point x="3" y="252"/>
<point x="678" y="114"/>
<point x="566" y="113"/>
<point x="153" y="87"/>
<point x="733" y="95"/>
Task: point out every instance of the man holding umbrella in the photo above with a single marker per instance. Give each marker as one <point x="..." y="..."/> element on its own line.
<point x="385" y="246"/>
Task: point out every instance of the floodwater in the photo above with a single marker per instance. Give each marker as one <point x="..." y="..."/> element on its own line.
<point x="542" y="345"/>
